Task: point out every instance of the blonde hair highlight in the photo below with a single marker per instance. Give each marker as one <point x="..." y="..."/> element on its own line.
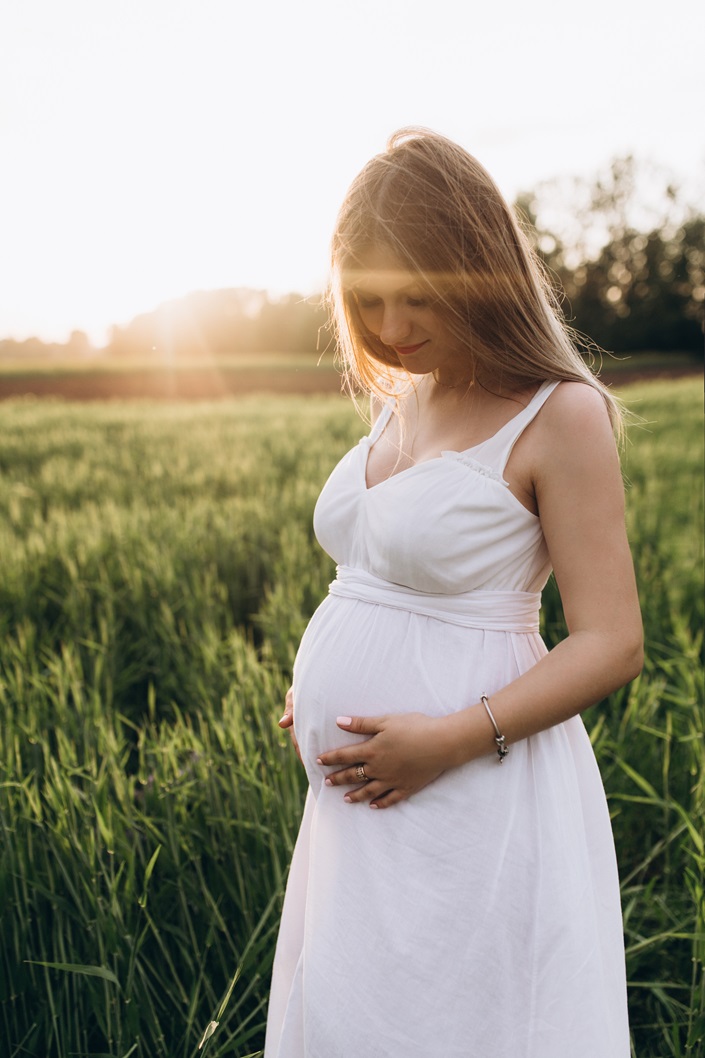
<point x="436" y="210"/>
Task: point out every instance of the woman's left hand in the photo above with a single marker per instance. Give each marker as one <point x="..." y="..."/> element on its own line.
<point x="403" y="754"/>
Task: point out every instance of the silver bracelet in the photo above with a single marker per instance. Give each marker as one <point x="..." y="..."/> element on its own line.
<point x="502" y="747"/>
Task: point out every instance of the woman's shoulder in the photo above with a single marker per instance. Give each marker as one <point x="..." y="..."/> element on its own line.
<point x="572" y="433"/>
<point x="575" y="406"/>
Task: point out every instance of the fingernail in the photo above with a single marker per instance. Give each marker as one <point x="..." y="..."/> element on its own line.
<point x="283" y="718"/>
<point x="318" y="760"/>
<point x="348" y="800"/>
<point x="373" y="805"/>
<point x="329" y="782"/>
<point x="343" y="721"/>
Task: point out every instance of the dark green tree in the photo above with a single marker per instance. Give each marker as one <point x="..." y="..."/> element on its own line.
<point x="631" y="277"/>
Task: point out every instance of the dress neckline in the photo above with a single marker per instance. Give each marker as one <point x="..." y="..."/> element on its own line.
<point x="385" y="415"/>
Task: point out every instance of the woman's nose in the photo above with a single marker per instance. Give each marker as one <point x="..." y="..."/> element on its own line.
<point x="395" y="326"/>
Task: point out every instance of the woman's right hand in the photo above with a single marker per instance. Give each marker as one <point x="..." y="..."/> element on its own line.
<point x="287" y="721"/>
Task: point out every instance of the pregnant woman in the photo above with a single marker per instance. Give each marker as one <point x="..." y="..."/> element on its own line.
<point x="454" y="890"/>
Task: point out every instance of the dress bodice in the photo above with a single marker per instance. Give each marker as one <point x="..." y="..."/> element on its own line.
<point x="443" y="526"/>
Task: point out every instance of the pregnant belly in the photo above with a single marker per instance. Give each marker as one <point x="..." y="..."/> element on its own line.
<point x="361" y="659"/>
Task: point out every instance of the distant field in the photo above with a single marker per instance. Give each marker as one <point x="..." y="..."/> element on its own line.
<point x="158" y="569"/>
<point x="102" y="379"/>
<point x="199" y="379"/>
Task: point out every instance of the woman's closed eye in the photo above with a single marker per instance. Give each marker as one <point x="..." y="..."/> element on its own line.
<point x="374" y="303"/>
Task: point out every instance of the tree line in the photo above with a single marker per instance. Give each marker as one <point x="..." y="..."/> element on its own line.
<point x="629" y="275"/>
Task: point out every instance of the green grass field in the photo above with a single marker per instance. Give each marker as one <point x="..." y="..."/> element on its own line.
<point x="158" y="569"/>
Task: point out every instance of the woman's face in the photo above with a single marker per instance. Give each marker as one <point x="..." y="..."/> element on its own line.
<point x="394" y="308"/>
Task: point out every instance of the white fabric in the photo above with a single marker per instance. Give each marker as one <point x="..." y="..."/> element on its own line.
<point x="480" y="918"/>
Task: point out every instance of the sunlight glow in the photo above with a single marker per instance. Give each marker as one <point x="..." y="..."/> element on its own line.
<point x="182" y="145"/>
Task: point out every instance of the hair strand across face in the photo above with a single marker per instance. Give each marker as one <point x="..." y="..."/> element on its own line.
<point x="428" y="204"/>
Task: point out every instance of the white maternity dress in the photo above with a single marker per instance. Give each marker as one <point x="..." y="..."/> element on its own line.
<point x="481" y="917"/>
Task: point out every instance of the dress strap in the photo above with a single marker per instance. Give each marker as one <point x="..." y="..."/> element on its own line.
<point x="495" y="452"/>
<point x="381" y="421"/>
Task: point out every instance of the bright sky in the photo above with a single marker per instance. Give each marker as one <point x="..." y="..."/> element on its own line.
<point x="154" y="147"/>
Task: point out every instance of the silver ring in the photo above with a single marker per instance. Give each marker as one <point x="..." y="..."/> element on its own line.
<point x="360" y="773"/>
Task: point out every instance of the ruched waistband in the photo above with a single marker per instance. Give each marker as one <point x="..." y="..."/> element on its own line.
<point x="501" y="611"/>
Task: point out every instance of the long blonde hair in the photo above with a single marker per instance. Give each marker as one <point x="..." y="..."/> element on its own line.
<point x="434" y="208"/>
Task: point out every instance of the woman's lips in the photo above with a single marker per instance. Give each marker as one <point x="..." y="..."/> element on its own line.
<point x="404" y="350"/>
